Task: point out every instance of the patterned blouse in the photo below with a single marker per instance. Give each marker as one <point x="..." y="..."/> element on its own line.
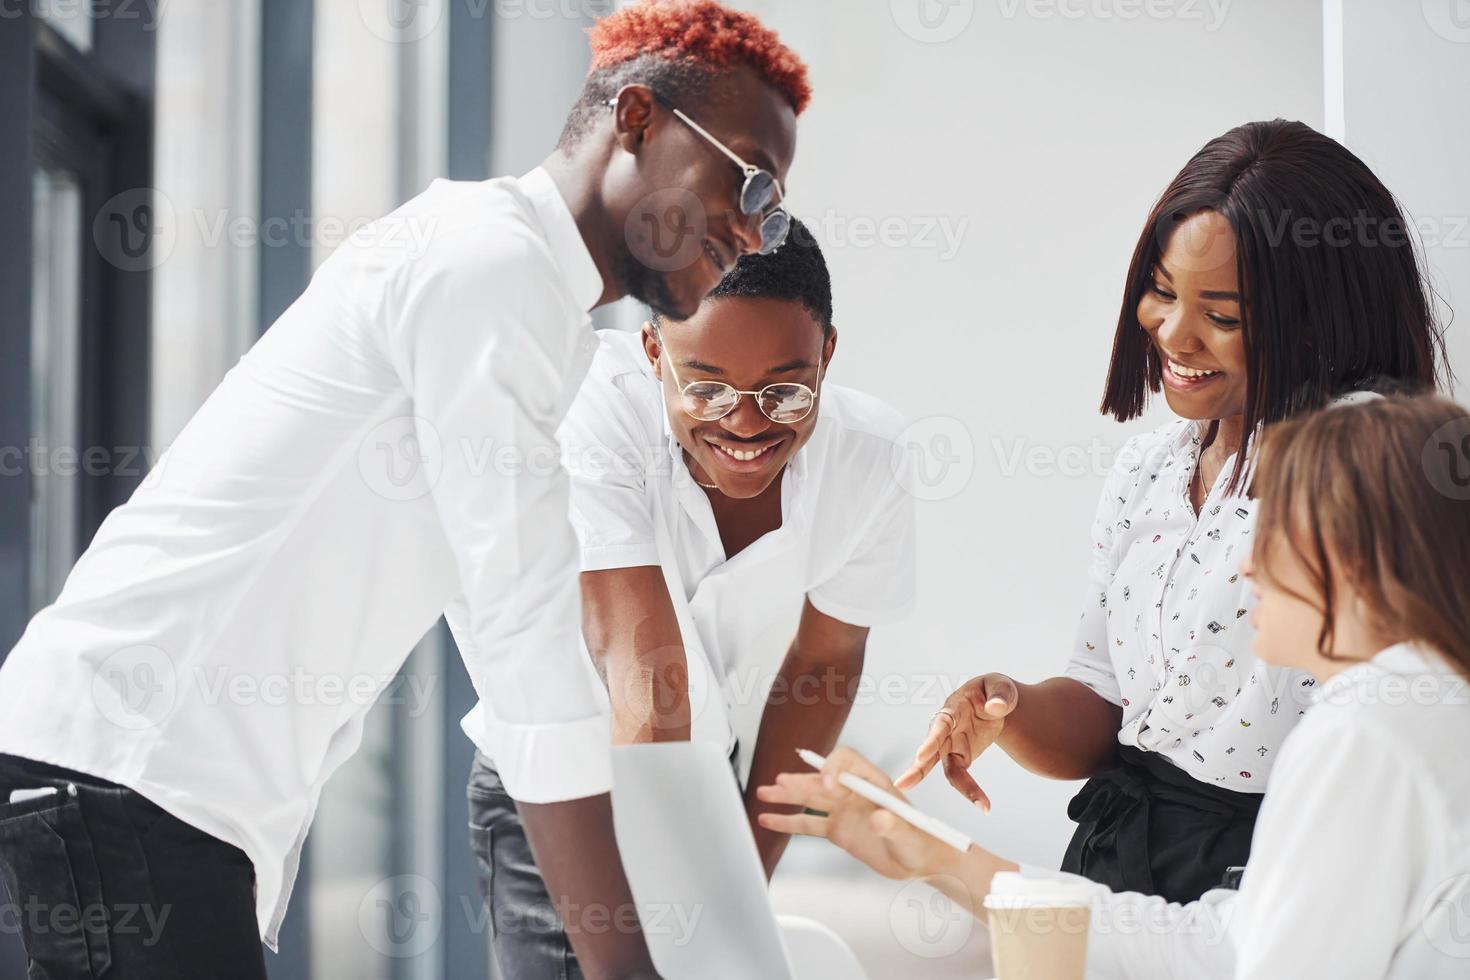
<point x="1165" y="629"/>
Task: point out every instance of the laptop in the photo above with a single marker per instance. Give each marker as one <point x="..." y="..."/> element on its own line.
<point x="692" y="864"/>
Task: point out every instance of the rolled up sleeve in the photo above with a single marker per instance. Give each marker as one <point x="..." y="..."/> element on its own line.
<point x="876" y="585"/>
<point x="488" y="340"/>
<point x="608" y="455"/>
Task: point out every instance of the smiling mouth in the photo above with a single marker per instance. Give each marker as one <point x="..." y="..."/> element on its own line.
<point x="1187" y="376"/>
<point x="742" y="455"/>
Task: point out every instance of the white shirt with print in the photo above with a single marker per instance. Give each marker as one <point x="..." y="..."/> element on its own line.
<point x="1165" y="630"/>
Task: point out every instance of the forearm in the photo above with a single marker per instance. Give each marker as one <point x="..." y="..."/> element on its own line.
<point x="632" y="634"/>
<point x="807" y="707"/>
<point x="1061" y="728"/>
<point x="966" y="879"/>
<point x="578" y="858"/>
<point x="649" y="693"/>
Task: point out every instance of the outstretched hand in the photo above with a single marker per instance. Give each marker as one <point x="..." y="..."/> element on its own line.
<point x="969" y="723"/>
<point x="883" y="841"/>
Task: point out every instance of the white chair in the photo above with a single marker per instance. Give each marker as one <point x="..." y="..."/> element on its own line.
<point x="816" y="952"/>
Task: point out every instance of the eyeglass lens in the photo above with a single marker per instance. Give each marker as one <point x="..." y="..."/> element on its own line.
<point x="708" y="401"/>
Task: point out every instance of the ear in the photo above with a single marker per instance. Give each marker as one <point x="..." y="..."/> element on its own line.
<point x="653" y="350"/>
<point x="829" y="347"/>
<point x="633" y="114"/>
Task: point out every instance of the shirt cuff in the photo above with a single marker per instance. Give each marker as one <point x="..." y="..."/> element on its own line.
<point x="546" y="763"/>
<point x="619" y="556"/>
<point x="1102" y="682"/>
<point x="866" y="616"/>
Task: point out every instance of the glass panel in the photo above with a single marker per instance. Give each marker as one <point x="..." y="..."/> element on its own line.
<point x="54" y="453"/>
<point x="352" y="859"/>
<point x="377" y="902"/>
<point x="354" y="151"/>
<point x="375" y="871"/>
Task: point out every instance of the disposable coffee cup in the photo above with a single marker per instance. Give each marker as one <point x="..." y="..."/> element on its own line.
<point x="1038" y="927"/>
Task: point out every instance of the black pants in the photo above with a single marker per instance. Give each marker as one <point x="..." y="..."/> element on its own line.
<point x="104" y="884"/>
<point x="1147" y="826"/>
<point x="525" y="930"/>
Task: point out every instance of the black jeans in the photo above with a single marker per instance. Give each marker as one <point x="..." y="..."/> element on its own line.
<point x="104" y="884"/>
<point x="1145" y="825"/>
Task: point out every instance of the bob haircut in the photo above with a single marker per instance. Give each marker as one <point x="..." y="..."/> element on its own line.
<point x="1332" y="296"/>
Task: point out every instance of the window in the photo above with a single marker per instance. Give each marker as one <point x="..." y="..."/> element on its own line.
<point x="55" y="451"/>
<point x="378" y="905"/>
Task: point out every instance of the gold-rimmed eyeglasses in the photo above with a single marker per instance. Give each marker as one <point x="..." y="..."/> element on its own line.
<point x="786" y="402"/>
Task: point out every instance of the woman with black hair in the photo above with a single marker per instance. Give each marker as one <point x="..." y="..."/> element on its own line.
<point x="1275" y="275"/>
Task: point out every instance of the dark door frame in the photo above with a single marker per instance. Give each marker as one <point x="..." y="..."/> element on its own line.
<point x="89" y="112"/>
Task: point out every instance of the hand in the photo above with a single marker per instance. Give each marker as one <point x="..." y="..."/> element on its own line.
<point x="970" y="721"/>
<point x="883" y="841"/>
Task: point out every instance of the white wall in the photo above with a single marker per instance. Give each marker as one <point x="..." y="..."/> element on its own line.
<point x="1406" y="78"/>
<point x="540" y="58"/>
<point x="1044" y="139"/>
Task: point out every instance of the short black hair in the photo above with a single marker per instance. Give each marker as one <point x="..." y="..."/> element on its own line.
<point x="796" y="271"/>
<point x="1323" y="314"/>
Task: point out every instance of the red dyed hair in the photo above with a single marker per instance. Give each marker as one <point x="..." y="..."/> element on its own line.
<point x="704" y="32"/>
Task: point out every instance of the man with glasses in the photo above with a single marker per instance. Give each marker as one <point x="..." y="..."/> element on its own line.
<point x="743" y="523"/>
<point x="167" y="726"/>
<point x="760" y="193"/>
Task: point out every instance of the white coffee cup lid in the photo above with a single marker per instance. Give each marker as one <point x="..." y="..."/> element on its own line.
<point x="1011" y="889"/>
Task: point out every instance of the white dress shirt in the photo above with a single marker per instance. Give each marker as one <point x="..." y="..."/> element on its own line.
<point x="1165" y="631"/>
<point x="218" y="645"/>
<point x="846" y="539"/>
<point x="1360" y="863"/>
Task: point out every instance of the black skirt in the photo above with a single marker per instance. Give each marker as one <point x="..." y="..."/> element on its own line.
<point x="1147" y="826"/>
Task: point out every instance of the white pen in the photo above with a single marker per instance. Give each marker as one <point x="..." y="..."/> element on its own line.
<point x="929" y="825"/>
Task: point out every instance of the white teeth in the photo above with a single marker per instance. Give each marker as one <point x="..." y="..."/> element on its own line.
<point x="744" y="454"/>
<point x="1187" y="372"/>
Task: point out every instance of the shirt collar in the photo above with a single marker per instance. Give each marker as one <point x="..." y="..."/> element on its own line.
<point x="565" y="238"/>
<point x="1408" y="658"/>
<point x="1402" y="659"/>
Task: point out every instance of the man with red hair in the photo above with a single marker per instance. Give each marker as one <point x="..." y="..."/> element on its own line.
<point x="725" y="90"/>
<point x="327" y="503"/>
